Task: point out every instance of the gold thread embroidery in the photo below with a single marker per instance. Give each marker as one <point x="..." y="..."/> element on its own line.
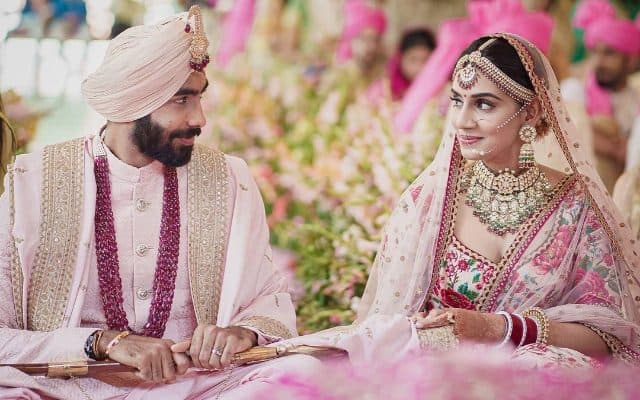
<point x="208" y="192"/>
<point x="268" y="326"/>
<point x="441" y="338"/>
<point x="17" y="278"/>
<point x="60" y="211"/>
<point x="618" y="350"/>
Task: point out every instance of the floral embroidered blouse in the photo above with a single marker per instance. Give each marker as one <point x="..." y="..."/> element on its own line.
<point x="463" y="275"/>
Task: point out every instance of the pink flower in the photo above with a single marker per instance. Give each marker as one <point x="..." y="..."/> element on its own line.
<point x="550" y="258"/>
<point x="593" y="287"/>
<point x="564" y="234"/>
<point x="463" y="265"/>
<point x="608" y="259"/>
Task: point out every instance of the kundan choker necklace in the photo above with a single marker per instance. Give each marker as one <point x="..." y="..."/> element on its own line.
<point x="107" y="252"/>
<point x="504" y="200"/>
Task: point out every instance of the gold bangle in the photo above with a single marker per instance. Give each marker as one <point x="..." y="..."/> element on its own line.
<point x="542" y="321"/>
<point x="114" y="342"/>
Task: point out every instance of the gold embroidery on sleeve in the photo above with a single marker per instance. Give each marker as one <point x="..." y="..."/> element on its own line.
<point x="268" y="326"/>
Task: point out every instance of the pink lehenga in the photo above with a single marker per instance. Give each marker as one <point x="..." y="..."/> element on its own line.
<point x="575" y="258"/>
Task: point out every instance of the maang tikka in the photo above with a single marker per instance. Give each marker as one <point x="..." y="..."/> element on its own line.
<point x="470" y="65"/>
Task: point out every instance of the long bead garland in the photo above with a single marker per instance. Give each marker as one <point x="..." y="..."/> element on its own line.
<point x="107" y="254"/>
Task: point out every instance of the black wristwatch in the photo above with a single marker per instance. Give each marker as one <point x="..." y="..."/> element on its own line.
<point x="91" y="344"/>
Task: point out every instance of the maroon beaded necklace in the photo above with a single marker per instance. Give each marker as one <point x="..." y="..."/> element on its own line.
<point x="107" y="252"/>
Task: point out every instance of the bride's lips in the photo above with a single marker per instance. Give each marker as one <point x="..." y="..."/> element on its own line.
<point x="468" y="139"/>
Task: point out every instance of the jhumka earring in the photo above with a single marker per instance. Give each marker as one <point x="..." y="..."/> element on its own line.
<point x="527" y="134"/>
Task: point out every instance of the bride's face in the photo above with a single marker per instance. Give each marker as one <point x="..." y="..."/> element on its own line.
<point x="481" y="118"/>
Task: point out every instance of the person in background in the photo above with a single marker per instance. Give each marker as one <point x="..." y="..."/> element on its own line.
<point x="361" y="40"/>
<point x="414" y="50"/>
<point x="611" y="105"/>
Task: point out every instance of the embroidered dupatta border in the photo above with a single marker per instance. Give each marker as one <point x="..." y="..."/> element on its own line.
<point x="618" y="350"/>
<point x="59" y="234"/>
<point x="17" y="278"/>
<point x="209" y="220"/>
<point x="455" y="166"/>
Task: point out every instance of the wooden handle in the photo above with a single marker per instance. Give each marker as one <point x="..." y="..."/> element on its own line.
<point x="65" y="369"/>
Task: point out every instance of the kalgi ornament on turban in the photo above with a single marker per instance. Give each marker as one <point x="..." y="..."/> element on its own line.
<point x="146" y="65"/>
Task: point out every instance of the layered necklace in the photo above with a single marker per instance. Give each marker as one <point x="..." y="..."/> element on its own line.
<point x="504" y="200"/>
<point x="107" y="252"/>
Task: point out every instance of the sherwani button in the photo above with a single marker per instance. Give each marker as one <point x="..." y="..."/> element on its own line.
<point x="142" y="293"/>
<point x="142" y="249"/>
<point x="142" y="205"/>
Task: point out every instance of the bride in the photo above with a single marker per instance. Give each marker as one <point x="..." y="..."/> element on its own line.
<point x="489" y="245"/>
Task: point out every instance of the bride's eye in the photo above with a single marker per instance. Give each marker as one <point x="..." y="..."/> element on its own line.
<point x="456" y="101"/>
<point x="484" y="105"/>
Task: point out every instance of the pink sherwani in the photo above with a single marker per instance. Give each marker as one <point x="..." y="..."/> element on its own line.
<point x="252" y="293"/>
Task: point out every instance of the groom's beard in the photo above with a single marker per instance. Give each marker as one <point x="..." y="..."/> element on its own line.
<point x="156" y="142"/>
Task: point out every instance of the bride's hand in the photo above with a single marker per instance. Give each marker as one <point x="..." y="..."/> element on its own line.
<point x="467" y="324"/>
<point x="436" y="318"/>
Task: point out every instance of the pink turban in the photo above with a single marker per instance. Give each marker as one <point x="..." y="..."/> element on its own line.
<point x="485" y="18"/>
<point x="359" y="16"/>
<point x="600" y="24"/>
<point x="143" y="68"/>
<point x="536" y="27"/>
<point x="599" y="21"/>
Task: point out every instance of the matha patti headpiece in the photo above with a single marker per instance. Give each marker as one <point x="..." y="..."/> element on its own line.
<point x="470" y="65"/>
<point x="199" y="42"/>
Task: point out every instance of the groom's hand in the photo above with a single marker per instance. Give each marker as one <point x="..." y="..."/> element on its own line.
<point x="212" y="347"/>
<point x="153" y="357"/>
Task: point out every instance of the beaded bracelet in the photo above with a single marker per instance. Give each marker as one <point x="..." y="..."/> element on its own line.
<point x="508" y="328"/>
<point x="114" y="342"/>
<point x="542" y="322"/>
